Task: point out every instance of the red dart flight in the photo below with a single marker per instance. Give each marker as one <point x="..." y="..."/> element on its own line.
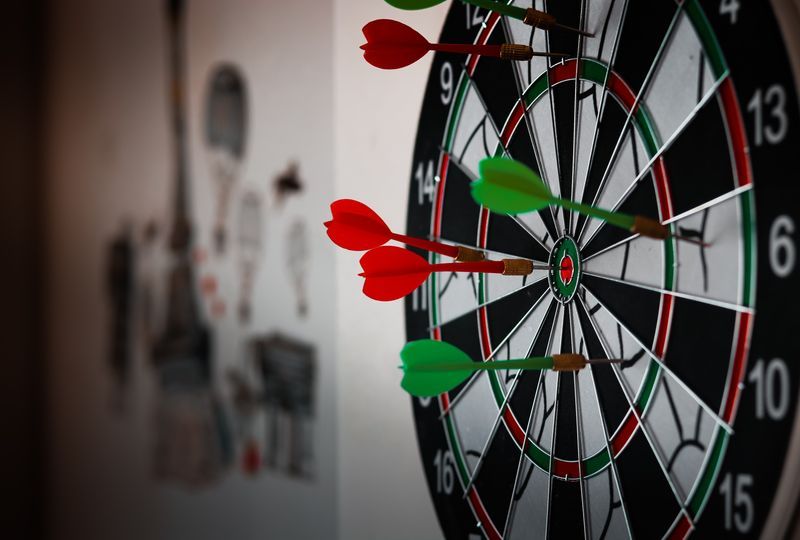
<point x="355" y="226"/>
<point x="393" y="272"/>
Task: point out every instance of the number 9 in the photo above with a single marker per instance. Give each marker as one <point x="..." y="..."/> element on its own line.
<point x="446" y="78"/>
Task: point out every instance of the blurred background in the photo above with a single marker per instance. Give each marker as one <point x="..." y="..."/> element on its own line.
<point x="185" y="354"/>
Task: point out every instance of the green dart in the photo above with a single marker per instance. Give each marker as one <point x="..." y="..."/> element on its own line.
<point x="529" y="16"/>
<point x="506" y="186"/>
<point x="434" y="367"/>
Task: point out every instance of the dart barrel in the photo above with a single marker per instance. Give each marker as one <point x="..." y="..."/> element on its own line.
<point x="517" y="267"/>
<point x="649" y="228"/>
<point x="568" y="362"/>
<point x="513" y="51"/>
<point x="539" y="19"/>
<point x="469" y="255"/>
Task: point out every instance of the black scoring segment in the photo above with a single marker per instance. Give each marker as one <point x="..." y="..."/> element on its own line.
<point x="566" y="438"/>
<point x="522" y="398"/>
<point x="636" y="308"/>
<point x="700" y="347"/>
<point x="463" y="333"/>
<point x="694" y="179"/>
<point x="508" y="312"/>
<point x="563" y="100"/>
<point x="460" y="214"/>
<point x="567" y="12"/>
<point x="651" y="505"/>
<point x="609" y="392"/>
<point x="608" y="131"/>
<point x="642" y="201"/>
<point x="497" y="474"/>
<point x="521" y="148"/>
<point x="640" y="41"/>
<point x="498" y="75"/>
<point x="566" y="510"/>
<point x="505" y="235"/>
<point x="520" y="402"/>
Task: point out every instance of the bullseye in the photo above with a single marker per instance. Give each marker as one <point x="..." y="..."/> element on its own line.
<point x="567" y="269"/>
<point x="565" y="264"/>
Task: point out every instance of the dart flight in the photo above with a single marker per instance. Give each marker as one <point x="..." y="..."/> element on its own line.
<point x="355" y="226"/>
<point x="393" y="45"/>
<point x="434" y="367"/>
<point x="529" y="16"/>
<point x="391" y="272"/>
<point x="509" y="187"/>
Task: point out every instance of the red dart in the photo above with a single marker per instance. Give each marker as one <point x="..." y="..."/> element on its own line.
<point x="393" y="272"/>
<point x="393" y="45"/>
<point x="355" y="226"/>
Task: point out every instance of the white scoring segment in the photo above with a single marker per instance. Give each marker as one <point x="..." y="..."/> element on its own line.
<point x="603" y="19"/>
<point x="475" y="415"/>
<point x="620" y="344"/>
<point x="713" y="272"/>
<point x="475" y="137"/>
<point x="456" y="295"/>
<point x="681" y="80"/>
<point x="630" y="161"/>
<point x="592" y="434"/>
<point x="682" y="431"/>
<point x="521" y="33"/>
<point x="638" y="261"/>
<point x="519" y="342"/>
<point x="606" y="516"/>
<point x="529" y="518"/>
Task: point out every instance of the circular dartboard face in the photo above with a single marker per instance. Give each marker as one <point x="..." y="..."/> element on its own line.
<point x="669" y="111"/>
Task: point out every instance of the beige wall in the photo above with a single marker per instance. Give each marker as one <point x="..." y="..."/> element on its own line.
<point x="109" y="159"/>
<point x="352" y="128"/>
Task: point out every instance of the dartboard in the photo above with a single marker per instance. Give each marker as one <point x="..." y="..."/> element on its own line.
<point x="683" y="111"/>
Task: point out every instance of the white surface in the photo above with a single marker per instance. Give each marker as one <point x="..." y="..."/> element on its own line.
<point x="382" y="489"/>
<point x="110" y="158"/>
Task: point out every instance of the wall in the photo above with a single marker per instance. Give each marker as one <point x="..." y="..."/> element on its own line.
<point x="352" y="128"/>
<point x="382" y="489"/>
<point x="110" y="163"/>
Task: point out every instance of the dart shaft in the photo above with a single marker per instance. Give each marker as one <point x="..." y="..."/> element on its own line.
<point x="483" y="50"/>
<point x="427" y="245"/>
<point x="524" y="363"/>
<point x="557" y="362"/>
<point x="484" y="267"/>
<point x="644" y="226"/>
<point x="506" y="51"/>
<point x="615" y="218"/>
<point x="507" y="267"/>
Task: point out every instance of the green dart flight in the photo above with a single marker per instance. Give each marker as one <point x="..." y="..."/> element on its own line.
<point x="529" y="16"/>
<point x="414" y="4"/>
<point x="506" y="186"/>
<point x="491" y="5"/>
<point x="434" y="367"/>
